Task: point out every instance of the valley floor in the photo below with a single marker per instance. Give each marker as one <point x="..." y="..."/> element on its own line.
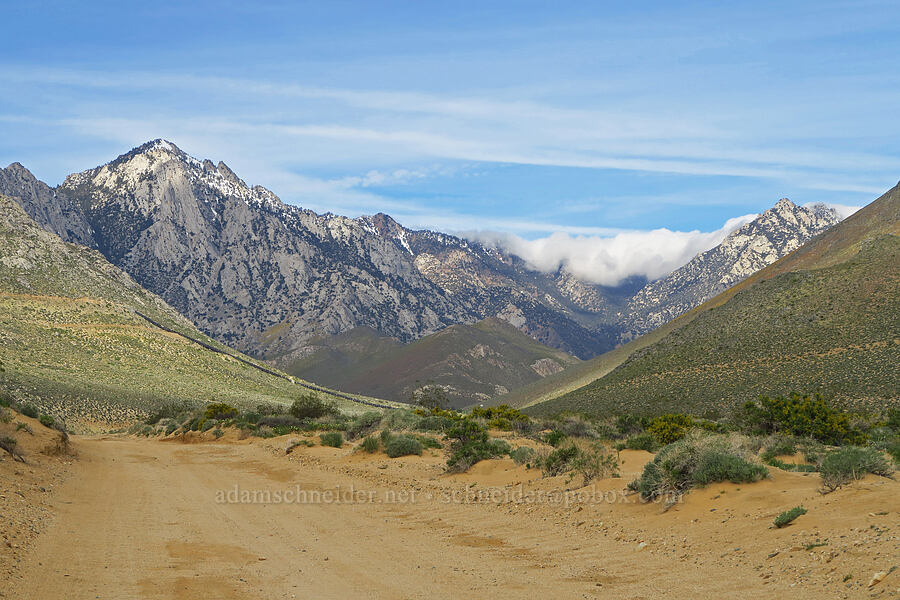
<point x="140" y="518"/>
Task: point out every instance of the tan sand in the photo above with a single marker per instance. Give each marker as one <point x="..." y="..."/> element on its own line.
<point x="140" y="519"/>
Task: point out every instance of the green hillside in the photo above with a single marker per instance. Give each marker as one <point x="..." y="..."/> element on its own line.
<point x="825" y="318"/>
<point x="339" y="358"/>
<point x="472" y="362"/>
<point x="581" y="374"/>
<point x="72" y="342"/>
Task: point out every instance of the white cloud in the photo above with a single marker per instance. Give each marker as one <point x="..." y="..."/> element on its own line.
<point x="382" y="128"/>
<point x="609" y="260"/>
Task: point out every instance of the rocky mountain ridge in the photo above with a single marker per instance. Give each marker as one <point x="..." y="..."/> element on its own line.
<point x="773" y="234"/>
<point x="266" y="277"/>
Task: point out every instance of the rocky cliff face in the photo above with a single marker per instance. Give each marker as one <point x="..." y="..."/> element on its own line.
<point x="248" y="269"/>
<point x="773" y="234"/>
<point x="54" y="211"/>
<point x="266" y="277"/>
<point x="554" y="309"/>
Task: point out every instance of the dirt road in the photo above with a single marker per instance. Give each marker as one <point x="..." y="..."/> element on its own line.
<point x="146" y="519"/>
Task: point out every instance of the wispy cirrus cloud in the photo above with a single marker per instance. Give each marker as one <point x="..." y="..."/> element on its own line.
<point x="411" y="126"/>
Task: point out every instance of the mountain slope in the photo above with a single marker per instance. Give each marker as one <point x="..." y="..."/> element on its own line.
<point x="773" y="234"/>
<point x="71" y="339"/>
<point x="51" y="209"/>
<point x="471" y="363"/>
<point x="826" y="318"/>
<point x="654" y="308"/>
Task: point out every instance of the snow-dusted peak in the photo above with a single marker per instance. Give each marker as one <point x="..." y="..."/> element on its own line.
<point x="161" y="163"/>
<point x="757" y="244"/>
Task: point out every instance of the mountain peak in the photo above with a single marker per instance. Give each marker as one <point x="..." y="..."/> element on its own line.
<point x="784" y="204"/>
<point x="385" y="224"/>
<point x="757" y="244"/>
<point x="158" y="144"/>
<point x="223" y="170"/>
<point x="19" y="170"/>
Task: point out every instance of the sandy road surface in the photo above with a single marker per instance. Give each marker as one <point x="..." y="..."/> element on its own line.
<point x="140" y="519"/>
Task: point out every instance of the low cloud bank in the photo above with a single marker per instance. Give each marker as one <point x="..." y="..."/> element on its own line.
<point x="609" y="260"/>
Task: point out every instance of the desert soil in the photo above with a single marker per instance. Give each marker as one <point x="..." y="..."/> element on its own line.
<point x="139" y="518"/>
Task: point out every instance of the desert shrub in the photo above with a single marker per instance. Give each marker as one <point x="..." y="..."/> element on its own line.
<point x="840" y="467"/>
<point x="219" y="411"/>
<point x="802" y="416"/>
<point x="522" y="455"/>
<point x="248" y="418"/>
<point x="812" y="450"/>
<point x="401" y="420"/>
<point x="6" y="416"/>
<point x="893" y="419"/>
<point x="217" y="433"/>
<point x="498" y="447"/>
<point x="403" y="445"/>
<point x="642" y="441"/>
<point x="20" y="426"/>
<point x="6" y="399"/>
<point x="469" y="443"/>
<point x="670" y="428"/>
<point x="268" y="409"/>
<point x="264" y="432"/>
<point x="280" y="421"/>
<point x="310" y="406"/>
<point x="712" y="426"/>
<point x="606" y="431"/>
<point x="595" y="462"/>
<point x="880" y="435"/>
<point x="171" y="427"/>
<point x="577" y="427"/>
<point x="892" y="447"/>
<point x="385" y="436"/>
<point x="697" y="459"/>
<point x="46" y="420"/>
<point x="436" y="423"/>
<point x="501" y="417"/>
<point x="332" y="438"/>
<point x="363" y="424"/>
<point x="555" y="437"/>
<point x="10" y="445"/>
<point x="628" y="425"/>
<point x="428" y="441"/>
<point x="525" y="428"/>
<point x="777" y="446"/>
<point x="30" y="410"/>
<point x="206" y="426"/>
<point x="714" y="466"/>
<point x="788" y="516"/>
<point x="559" y="460"/>
<point x="371" y="444"/>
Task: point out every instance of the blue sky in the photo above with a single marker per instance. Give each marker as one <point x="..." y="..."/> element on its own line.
<point x="522" y="117"/>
